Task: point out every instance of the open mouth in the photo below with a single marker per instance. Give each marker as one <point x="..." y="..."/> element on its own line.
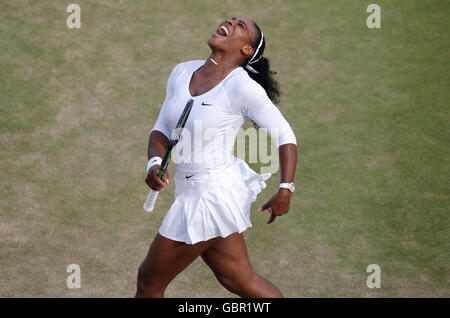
<point x="223" y="31"/>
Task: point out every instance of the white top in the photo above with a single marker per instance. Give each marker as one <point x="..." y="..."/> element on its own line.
<point x="209" y="135"/>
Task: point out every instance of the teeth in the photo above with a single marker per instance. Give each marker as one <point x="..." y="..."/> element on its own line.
<point x="225" y="29"/>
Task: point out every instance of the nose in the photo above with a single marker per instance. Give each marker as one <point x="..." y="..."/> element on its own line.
<point x="230" y="22"/>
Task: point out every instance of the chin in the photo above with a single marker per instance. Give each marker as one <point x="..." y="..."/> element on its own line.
<point x="212" y="43"/>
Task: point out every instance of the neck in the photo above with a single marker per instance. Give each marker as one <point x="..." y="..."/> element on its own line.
<point x="219" y="63"/>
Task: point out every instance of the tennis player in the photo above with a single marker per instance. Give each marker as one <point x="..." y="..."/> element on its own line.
<point x="213" y="197"/>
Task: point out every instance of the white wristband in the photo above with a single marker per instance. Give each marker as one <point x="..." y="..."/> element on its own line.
<point x="153" y="161"/>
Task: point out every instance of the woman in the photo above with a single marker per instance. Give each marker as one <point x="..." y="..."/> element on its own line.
<point x="213" y="197"/>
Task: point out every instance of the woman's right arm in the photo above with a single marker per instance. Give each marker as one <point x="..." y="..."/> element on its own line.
<point x="158" y="140"/>
<point x="157" y="145"/>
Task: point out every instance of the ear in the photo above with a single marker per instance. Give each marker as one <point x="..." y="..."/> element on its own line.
<point x="247" y="51"/>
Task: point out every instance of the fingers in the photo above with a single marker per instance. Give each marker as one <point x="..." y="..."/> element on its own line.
<point x="265" y="206"/>
<point x="272" y="217"/>
<point x="268" y="206"/>
<point x="153" y="180"/>
<point x="166" y="177"/>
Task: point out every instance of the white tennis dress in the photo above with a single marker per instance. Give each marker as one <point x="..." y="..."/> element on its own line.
<point x="214" y="189"/>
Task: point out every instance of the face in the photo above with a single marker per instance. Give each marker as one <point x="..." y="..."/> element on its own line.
<point x="235" y="36"/>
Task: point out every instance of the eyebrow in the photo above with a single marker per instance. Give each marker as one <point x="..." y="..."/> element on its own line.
<point x="241" y="21"/>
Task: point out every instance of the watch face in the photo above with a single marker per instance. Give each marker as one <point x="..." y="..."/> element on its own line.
<point x="292" y="187"/>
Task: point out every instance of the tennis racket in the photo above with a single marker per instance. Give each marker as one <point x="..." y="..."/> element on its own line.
<point x="176" y="134"/>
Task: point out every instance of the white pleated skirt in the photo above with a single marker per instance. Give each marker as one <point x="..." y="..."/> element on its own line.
<point x="212" y="203"/>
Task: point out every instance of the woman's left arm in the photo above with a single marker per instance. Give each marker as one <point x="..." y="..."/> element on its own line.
<point x="258" y="107"/>
<point x="280" y="202"/>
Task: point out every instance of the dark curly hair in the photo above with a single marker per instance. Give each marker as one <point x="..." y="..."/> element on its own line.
<point x="261" y="65"/>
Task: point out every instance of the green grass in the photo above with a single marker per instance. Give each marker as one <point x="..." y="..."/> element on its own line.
<point x="369" y="108"/>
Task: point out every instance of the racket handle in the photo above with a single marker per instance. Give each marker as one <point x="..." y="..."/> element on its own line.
<point x="151" y="199"/>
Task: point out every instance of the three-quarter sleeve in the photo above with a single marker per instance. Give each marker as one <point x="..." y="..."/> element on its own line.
<point x="162" y="123"/>
<point x="256" y="105"/>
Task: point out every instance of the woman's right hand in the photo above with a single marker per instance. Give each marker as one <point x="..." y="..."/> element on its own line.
<point x="153" y="181"/>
